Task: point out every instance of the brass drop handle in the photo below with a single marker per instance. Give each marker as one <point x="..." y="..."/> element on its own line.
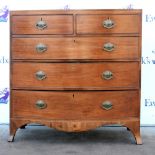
<point x="40" y="104"/>
<point x="41" y="24"/>
<point x="107" y="105"/>
<point x="40" y="48"/>
<point x="40" y="75"/>
<point x="109" y="47"/>
<point x="108" y="23"/>
<point x="107" y="75"/>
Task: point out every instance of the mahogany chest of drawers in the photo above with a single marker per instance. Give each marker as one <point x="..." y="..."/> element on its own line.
<point x="76" y="70"/>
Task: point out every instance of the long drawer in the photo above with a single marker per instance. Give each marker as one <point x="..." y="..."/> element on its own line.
<point x="42" y="24"/>
<point x="95" y="48"/>
<point x="107" y="24"/>
<point x="75" y="104"/>
<point x="81" y="76"/>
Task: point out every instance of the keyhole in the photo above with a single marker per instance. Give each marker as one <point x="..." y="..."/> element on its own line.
<point x="73" y="95"/>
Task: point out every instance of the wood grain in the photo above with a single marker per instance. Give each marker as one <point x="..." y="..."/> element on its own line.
<point x="92" y="24"/>
<point x="82" y="76"/>
<point x="75" y="105"/>
<point x="133" y="124"/>
<point x="79" y="11"/>
<point x="56" y="24"/>
<point x="126" y="48"/>
<point x="74" y="61"/>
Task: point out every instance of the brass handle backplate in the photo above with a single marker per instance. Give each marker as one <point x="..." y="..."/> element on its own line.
<point x="107" y="105"/>
<point x="109" y="47"/>
<point x="40" y="104"/>
<point x="108" y="23"/>
<point x="107" y="75"/>
<point x="41" y="24"/>
<point x="40" y="75"/>
<point x="41" y="48"/>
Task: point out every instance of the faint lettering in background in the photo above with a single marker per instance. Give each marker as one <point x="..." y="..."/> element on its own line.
<point x="153" y="51"/>
<point x="4" y="96"/>
<point x="153" y="61"/>
<point x="149" y="18"/>
<point x="4" y="60"/>
<point x="66" y="7"/>
<point x="129" y="7"/>
<point x="148" y="60"/>
<point x="149" y="103"/>
<point x="4" y="12"/>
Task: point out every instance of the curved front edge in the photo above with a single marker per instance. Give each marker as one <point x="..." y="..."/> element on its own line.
<point x="132" y="125"/>
<point x="77" y="125"/>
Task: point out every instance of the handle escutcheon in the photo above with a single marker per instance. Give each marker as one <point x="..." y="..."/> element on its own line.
<point x="40" y="104"/>
<point x="107" y="75"/>
<point x="40" y="48"/>
<point x="41" y="24"/>
<point x="107" y="105"/>
<point x="40" y="75"/>
<point x="108" y="23"/>
<point x="109" y="47"/>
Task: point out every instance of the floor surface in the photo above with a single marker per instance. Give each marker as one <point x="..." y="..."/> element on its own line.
<point x="41" y="140"/>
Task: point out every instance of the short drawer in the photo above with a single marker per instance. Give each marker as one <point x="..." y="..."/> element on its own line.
<point x="42" y="24"/>
<point x="75" y="104"/>
<point x="92" y="48"/>
<point x="107" y="24"/>
<point x="71" y="76"/>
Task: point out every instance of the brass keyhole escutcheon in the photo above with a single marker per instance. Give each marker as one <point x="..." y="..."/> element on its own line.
<point x="41" y="25"/>
<point x="108" y="23"/>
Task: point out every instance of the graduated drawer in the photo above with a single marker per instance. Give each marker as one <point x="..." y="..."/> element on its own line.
<point x="42" y="24"/>
<point x="107" y="23"/>
<point x="75" y="104"/>
<point x="84" y="76"/>
<point x="95" y="48"/>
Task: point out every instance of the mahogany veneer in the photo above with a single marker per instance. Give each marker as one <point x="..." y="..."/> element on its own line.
<point x="75" y="70"/>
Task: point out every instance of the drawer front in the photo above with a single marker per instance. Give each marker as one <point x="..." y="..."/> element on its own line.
<point x="99" y="24"/>
<point x="95" y="48"/>
<point x="75" y="105"/>
<point x="51" y="76"/>
<point x="41" y="24"/>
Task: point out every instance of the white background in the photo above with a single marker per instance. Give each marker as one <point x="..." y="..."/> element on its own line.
<point x="148" y="44"/>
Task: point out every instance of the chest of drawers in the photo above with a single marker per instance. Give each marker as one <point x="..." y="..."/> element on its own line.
<point x="75" y="70"/>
